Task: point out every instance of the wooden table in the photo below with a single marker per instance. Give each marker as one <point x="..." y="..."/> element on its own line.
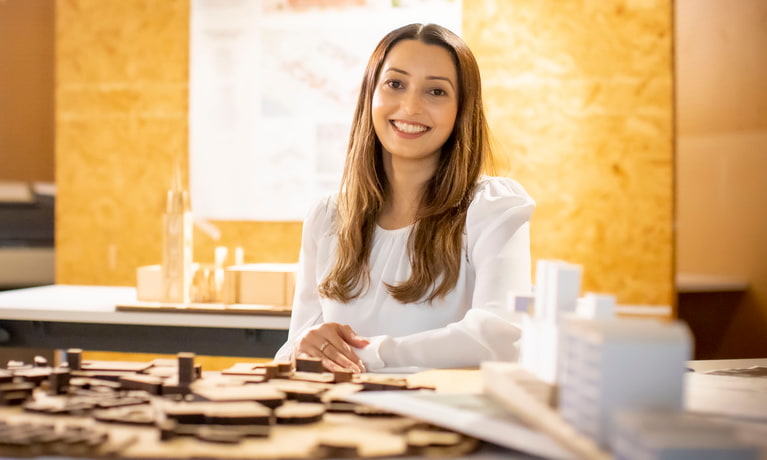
<point x="88" y="317"/>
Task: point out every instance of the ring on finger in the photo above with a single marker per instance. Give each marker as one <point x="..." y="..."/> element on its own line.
<point x="323" y="346"/>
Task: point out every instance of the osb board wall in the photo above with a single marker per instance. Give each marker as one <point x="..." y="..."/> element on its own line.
<point x="578" y="94"/>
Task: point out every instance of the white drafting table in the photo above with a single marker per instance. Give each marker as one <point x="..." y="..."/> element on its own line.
<point x="70" y="316"/>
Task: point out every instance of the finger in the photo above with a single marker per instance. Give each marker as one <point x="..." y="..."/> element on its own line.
<point x="343" y="346"/>
<point x="352" y="338"/>
<point x="341" y="354"/>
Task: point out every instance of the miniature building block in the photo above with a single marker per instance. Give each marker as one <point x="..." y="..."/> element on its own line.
<point x="14" y="394"/>
<point x="309" y="364"/>
<point x="186" y="372"/>
<point x="557" y="289"/>
<point x="268" y="396"/>
<point x="260" y="284"/>
<point x="620" y="364"/>
<point x="520" y="302"/>
<point x="342" y="376"/>
<point x="299" y="414"/>
<point x="74" y="357"/>
<point x="6" y="376"/>
<point x="149" y="283"/>
<point x="58" y="381"/>
<point x="596" y="306"/>
<point x="149" y="383"/>
<point x="539" y="352"/>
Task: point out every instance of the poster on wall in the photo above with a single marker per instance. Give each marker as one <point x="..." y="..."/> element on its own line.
<point x="273" y="86"/>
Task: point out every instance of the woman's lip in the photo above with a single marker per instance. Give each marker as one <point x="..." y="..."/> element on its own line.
<point x="409" y="134"/>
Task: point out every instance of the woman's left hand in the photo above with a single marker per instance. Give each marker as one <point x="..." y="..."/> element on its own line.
<point x="333" y="343"/>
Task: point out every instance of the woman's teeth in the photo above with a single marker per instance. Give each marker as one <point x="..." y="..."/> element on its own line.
<point x="408" y="128"/>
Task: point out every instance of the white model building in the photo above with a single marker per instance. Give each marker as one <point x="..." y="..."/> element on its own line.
<point x="557" y="289"/>
<point x="654" y="435"/>
<point x="614" y="365"/>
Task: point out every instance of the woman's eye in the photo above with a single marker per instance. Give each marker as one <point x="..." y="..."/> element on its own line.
<point x="395" y="84"/>
<point x="438" y="92"/>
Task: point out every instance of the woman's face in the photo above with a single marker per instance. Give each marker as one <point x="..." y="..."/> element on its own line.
<point x="415" y="101"/>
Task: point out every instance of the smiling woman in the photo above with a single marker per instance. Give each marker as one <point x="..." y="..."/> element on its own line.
<point x="579" y="97"/>
<point x="409" y="265"/>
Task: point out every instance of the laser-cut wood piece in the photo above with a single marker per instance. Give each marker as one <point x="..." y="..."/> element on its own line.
<point x="123" y="399"/>
<point x="112" y="376"/>
<point x="30" y="439"/>
<point x="432" y="442"/>
<point x="299" y="413"/>
<point x="309" y="364"/>
<point x="14" y="394"/>
<point x="382" y="383"/>
<point x="369" y="411"/>
<point x="271" y="370"/>
<point x="238" y="414"/>
<point x="188" y="413"/>
<point x="220" y="434"/>
<point x="318" y="377"/>
<point x="244" y="369"/>
<point x="334" y="399"/>
<point x="74" y="358"/>
<point x="87" y="383"/>
<point x="148" y="383"/>
<point x="142" y="415"/>
<point x="170" y="429"/>
<point x="336" y="448"/>
<point x="33" y="374"/>
<point x="266" y="395"/>
<point x="343" y="376"/>
<point x="172" y="387"/>
<point x="58" y="381"/>
<point x="186" y="371"/>
<point x="6" y="376"/>
<point x="115" y="366"/>
<point x="284" y="368"/>
<point x="13" y="365"/>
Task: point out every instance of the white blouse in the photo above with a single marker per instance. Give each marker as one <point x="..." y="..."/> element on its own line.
<point x="468" y="326"/>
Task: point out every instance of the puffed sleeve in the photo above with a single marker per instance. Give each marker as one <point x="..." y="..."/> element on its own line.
<point x="498" y="251"/>
<point x="307" y="311"/>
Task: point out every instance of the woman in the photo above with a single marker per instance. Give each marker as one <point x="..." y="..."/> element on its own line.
<point x="410" y="264"/>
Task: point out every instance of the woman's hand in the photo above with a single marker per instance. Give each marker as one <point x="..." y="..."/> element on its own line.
<point x="333" y="342"/>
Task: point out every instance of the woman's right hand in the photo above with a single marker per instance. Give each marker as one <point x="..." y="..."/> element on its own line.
<point x="333" y="342"/>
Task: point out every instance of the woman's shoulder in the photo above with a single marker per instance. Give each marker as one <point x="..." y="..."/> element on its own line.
<point x="498" y="202"/>
<point x="494" y="193"/>
<point x="322" y="212"/>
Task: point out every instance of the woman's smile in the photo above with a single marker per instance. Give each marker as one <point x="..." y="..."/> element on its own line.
<point x="409" y="128"/>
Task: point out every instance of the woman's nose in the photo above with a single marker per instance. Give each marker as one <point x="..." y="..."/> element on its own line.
<point x="411" y="102"/>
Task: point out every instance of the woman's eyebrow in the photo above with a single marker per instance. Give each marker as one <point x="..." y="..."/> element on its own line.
<point x="428" y="77"/>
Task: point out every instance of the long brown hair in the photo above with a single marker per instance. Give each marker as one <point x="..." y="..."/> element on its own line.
<point x="436" y="239"/>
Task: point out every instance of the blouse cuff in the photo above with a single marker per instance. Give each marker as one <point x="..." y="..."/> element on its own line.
<point x="371" y="353"/>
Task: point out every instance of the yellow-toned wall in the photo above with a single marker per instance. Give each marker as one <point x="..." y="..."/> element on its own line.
<point x="579" y="95"/>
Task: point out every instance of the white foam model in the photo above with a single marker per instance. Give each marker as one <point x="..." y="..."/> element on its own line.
<point x="663" y="435"/>
<point x="556" y="296"/>
<point x="620" y="364"/>
<point x="596" y="306"/>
